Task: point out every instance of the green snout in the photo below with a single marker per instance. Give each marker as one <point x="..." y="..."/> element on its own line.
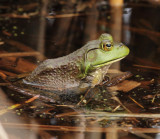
<point x="99" y="57"/>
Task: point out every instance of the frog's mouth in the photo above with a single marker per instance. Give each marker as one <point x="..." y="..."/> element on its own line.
<point x="108" y="63"/>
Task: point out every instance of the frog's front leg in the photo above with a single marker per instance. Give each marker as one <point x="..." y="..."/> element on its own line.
<point x="115" y="80"/>
<point x="95" y="78"/>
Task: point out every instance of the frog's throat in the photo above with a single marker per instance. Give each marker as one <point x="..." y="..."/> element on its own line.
<point x="108" y="63"/>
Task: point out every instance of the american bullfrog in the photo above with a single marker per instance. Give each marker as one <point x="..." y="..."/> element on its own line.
<point x="84" y="68"/>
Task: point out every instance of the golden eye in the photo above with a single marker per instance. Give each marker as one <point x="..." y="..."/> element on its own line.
<point x="107" y="46"/>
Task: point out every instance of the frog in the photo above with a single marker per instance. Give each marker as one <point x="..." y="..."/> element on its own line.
<point x="74" y="73"/>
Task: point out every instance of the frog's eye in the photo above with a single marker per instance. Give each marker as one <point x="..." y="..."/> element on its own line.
<point x="107" y="46"/>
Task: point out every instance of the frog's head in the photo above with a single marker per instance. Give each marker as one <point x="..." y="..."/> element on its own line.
<point x="104" y="52"/>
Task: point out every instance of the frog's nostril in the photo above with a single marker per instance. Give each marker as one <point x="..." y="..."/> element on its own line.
<point x="121" y="45"/>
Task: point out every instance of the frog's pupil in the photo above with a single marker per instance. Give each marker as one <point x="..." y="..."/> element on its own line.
<point x="108" y="45"/>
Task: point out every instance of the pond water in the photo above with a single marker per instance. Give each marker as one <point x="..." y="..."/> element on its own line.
<point x="128" y="110"/>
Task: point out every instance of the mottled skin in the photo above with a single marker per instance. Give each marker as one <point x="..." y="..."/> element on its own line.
<point x="86" y="67"/>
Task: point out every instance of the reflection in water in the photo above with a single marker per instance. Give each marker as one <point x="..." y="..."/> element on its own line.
<point x="126" y="21"/>
<point x="3" y="134"/>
